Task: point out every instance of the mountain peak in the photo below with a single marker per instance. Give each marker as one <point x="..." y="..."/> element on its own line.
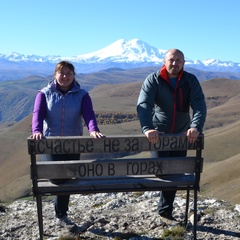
<point x="122" y="50"/>
<point x="122" y="53"/>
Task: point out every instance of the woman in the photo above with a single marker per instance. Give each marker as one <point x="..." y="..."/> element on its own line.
<point x="58" y="111"/>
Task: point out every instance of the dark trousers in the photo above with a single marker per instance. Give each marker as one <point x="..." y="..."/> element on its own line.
<point x="165" y="204"/>
<point x="61" y="201"/>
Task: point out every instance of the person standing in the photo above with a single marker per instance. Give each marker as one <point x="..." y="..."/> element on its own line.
<point x="58" y="111"/>
<point x="164" y="105"/>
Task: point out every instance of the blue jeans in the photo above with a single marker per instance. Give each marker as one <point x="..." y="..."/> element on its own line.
<point x="61" y="201"/>
<point x="165" y="204"/>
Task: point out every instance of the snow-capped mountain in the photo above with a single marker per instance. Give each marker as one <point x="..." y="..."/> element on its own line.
<point x="120" y="51"/>
<point x="121" y="54"/>
<point x="134" y="51"/>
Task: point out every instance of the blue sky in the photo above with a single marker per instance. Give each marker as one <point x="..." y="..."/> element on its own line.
<point x="202" y="29"/>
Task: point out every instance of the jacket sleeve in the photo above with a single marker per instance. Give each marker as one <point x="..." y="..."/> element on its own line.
<point x="145" y="103"/>
<point x="198" y="105"/>
<point x="39" y="113"/>
<point x="88" y="114"/>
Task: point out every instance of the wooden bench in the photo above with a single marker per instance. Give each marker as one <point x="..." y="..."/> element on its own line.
<point x="103" y="174"/>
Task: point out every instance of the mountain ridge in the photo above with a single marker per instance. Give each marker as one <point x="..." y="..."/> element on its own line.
<point x="17" y="96"/>
<point x="120" y="54"/>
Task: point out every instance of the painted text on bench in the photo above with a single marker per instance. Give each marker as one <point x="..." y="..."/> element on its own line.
<point x="108" y="145"/>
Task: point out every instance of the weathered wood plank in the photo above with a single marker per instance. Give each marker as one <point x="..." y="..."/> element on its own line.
<point x="118" y="185"/>
<point x="114" y="167"/>
<point x="111" y="144"/>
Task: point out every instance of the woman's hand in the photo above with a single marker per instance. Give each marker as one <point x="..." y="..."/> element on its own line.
<point x="97" y="134"/>
<point x="37" y="136"/>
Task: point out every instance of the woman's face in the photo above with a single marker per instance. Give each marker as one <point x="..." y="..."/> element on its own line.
<point x="64" y="78"/>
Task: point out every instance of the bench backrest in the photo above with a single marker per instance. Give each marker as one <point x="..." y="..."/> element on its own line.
<point x="113" y="167"/>
<point x="111" y="144"/>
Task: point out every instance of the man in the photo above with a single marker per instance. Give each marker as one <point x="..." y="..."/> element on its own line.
<point x="163" y="107"/>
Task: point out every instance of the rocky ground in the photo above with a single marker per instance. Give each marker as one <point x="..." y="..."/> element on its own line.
<point x="119" y="216"/>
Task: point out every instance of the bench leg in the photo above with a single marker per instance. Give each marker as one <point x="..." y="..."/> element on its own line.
<point x="187" y="208"/>
<point x="195" y="214"/>
<point x="40" y="216"/>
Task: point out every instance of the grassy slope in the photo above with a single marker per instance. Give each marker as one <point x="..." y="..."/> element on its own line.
<point x="220" y="176"/>
<point x="14" y="162"/>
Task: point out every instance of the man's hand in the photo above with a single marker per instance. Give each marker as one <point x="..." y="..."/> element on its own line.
<point x="153" y="135"/>
<point x="192" y="134"/>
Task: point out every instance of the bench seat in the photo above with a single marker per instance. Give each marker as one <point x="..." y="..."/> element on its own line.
<point x="130" y="184"/>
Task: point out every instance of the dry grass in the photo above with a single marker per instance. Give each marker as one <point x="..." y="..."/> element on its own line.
<point x="220" y="177"/>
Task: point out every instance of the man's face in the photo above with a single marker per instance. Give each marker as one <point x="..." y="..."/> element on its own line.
<point x="174" y="62"/>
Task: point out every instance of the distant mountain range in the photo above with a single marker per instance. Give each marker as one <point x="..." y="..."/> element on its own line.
<point x="17" y="97"/>
<point x="120" y="54"/>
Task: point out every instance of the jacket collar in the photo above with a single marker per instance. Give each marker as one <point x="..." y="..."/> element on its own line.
<point x="53" y="86"/>
<point x="163" y="74"/>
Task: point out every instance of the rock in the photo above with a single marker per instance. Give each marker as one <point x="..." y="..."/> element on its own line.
<point x="131" y="216"/>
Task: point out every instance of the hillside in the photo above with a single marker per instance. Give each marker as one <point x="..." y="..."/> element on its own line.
<point x="221" y="143"/>
<point x="17" y="97"/>
<point x="220" y="178"/>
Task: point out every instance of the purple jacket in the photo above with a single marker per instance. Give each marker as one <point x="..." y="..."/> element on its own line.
<point x="58" y="114"/>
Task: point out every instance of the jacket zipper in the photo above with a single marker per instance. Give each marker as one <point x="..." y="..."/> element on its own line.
<point x="174" y="112"/>
<point x="63" y="113"/>
<point x="174" y="106"/>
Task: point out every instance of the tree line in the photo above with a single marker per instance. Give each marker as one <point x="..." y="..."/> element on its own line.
<point x="104" y="118"/>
